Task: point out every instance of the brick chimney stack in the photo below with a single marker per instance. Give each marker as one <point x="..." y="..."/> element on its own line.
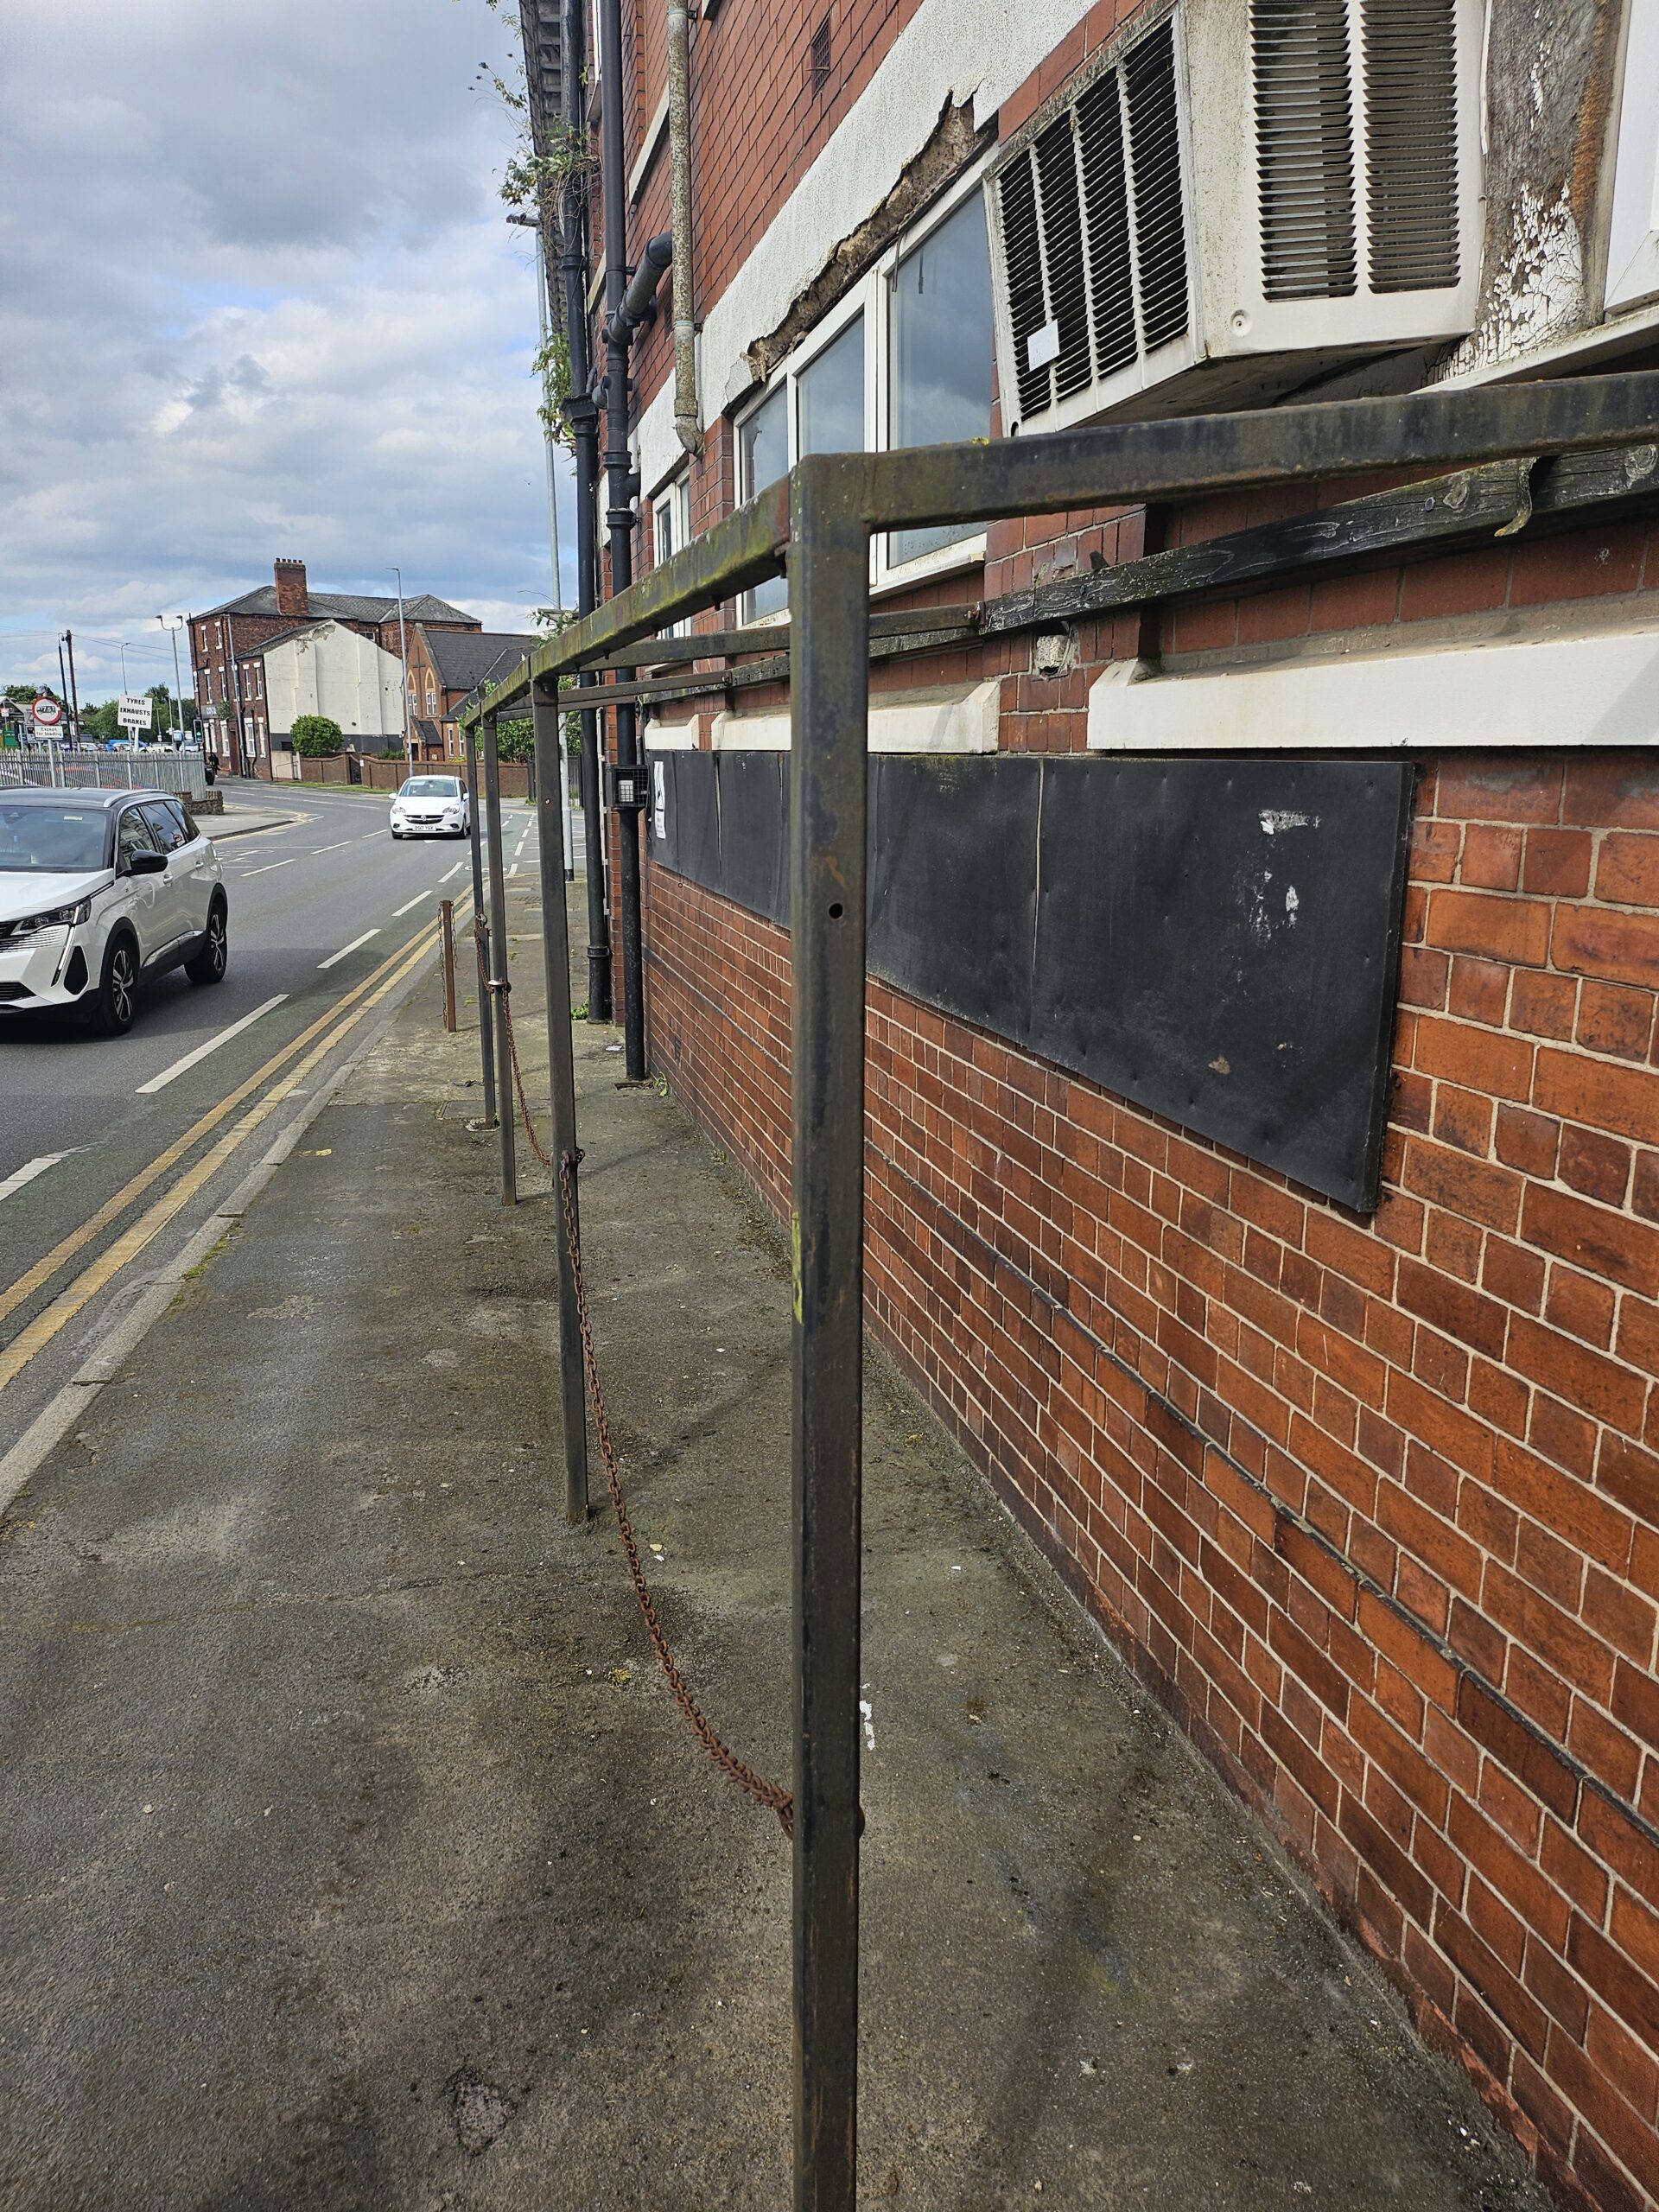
<point x="291" y="599"/>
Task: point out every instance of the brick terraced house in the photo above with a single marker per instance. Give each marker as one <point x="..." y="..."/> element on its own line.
<point x="446" y="667"/>
<point x="228" y="645"/>
<point x="1262" y="1141"/>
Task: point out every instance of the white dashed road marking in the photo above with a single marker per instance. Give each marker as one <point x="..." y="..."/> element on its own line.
<point x="160" y="1082"/>
<point x="334" y="958"/>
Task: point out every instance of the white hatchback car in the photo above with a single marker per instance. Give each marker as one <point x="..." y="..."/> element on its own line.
<point x="98" y="892"/>
<point x="430" y="806"/>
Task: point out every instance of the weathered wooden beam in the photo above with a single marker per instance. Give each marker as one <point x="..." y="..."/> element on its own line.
<point x="771" y="637"/>
<point x="709" y="681"/>
<point x="1472" y="503"/>
<point x="1436" y="514"/>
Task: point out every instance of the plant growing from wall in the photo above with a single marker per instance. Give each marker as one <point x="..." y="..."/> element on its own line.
<point x="317" y="737"/>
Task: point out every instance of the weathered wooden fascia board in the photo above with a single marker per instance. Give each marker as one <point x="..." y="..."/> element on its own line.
<point x="1474" y="502"/>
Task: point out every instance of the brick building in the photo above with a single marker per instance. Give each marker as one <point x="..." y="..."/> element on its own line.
<point x="227" y="644"/>
<point x="1360" y="1471"/>
<point x="445" y="667"/>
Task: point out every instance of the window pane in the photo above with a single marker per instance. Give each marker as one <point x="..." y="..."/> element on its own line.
<point x="940" y="354"/>
<point x="763" y="448"/>
<point x="830" y="393"/>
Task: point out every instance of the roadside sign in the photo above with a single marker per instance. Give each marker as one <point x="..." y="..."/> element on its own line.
<point x="48" y="711"/>
<point x="135" y="710"/>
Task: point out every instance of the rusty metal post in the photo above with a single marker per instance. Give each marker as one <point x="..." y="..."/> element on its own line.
<point x="829" y="715"/>
<point x="497" y="963"/>
<point x="561" y="1084"/>
<point x="447" y="940"/>
<point x="474" y="814"/>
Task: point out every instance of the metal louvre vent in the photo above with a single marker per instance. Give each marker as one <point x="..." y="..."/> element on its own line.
<point x="1155" y="163"/>
<point x="1023" y="254"/>
<point x="1106" y="195"/>
<point x="1305" y="148"/>
<point x="1068" y="294"/>
<point x="1411" y="143"/>
<point x="1093" y="225"/>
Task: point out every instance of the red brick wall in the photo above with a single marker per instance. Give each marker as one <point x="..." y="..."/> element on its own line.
<point x="1374" y="1504"/>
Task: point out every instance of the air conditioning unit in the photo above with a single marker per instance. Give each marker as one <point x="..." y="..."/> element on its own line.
<point x="1233" y="196"/>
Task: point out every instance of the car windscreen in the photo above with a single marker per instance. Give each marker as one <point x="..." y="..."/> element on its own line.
<point x="38" y="840"/>
<point x="430" y="787"/>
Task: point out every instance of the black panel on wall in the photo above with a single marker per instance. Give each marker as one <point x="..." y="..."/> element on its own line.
<point x="1215" y="939"/>
<point x="950" y="911"/>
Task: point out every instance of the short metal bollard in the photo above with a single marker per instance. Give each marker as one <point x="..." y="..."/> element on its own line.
<point x="447" y="933"/>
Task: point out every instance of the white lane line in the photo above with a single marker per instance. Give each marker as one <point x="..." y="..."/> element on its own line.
<point x="29" y="1170"/>
<point x="409" y="905"/>
<point x="335" y="956"/>
<point x="270" y="865"/>
<point x="369" y="839"/>
<point x="317" y="851"/>
<point x="160" y="1082"/>
<point x="450" y="872"/>
<point x="514" y="870"/>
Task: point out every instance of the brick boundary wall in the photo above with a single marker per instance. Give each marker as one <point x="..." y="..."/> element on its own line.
<point x="1371" y="1504"/>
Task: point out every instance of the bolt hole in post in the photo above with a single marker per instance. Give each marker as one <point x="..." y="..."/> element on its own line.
<point x="836" y="910"/>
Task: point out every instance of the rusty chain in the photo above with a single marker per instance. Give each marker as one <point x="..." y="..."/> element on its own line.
<point x="770" y="1794"/>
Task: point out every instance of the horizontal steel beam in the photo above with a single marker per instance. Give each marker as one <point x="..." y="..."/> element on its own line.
<point x="1132" y="462"/>
<point x="1114" y="465"/>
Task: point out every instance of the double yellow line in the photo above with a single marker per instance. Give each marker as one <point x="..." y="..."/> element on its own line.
<point x="30" y="1340"/>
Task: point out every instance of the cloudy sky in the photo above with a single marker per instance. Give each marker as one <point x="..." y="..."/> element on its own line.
<point x="258" y="297"/>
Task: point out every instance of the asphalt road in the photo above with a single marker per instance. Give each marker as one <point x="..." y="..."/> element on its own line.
<point x="323" y="909"/>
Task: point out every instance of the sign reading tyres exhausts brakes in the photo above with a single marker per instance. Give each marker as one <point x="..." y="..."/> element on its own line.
<point x="133" y="712"/>
<point x="48" y="712"/>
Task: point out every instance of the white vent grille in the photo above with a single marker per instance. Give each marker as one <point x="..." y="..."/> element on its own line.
<point x="1237" y="195"/>
<point x="1304" y="147"/>
<point x="1302" y="55"/>
<point x="1411" y="143"/>
<point x="1093" y="231"/>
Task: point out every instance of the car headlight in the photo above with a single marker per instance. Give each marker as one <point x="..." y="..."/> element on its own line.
<point x="55" y="917"/>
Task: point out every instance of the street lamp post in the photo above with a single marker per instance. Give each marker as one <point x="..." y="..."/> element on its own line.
<point x="402" y="655"/>
<point x="174" y="625"/>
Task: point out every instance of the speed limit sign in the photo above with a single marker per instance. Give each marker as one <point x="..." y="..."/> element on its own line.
<point x="48" y="711"/>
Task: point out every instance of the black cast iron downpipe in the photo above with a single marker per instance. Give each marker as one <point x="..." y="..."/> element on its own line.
<point x="618" y="514"/>
<point x="584" y="418"/>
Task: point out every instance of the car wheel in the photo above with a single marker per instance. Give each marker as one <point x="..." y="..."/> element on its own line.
<point x="396" y="835"/>
<point x="208" y="965"/>
<point x="117" y="1001"/>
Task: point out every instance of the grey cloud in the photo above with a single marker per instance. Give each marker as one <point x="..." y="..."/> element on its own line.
<point x="255" y="297"/>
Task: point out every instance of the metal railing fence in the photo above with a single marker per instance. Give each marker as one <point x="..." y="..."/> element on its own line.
<point x="86" y="768"/>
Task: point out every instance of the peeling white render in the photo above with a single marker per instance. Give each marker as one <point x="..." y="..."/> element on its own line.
<point x="329" y="670"/>
<point x="1536" y="292"/>
<point x="949" y="50"/>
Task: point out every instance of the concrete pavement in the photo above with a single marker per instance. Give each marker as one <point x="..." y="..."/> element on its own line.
<point x="357" y="1857"/>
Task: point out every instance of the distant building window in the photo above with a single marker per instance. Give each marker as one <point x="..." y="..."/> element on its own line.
<point x="763" y="456"/>
<point x="670" y="532"/>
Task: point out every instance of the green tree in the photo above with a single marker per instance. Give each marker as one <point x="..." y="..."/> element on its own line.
<point x="515" y="739"/>
<point x="317" y="737"/>
<point x="101" y="722"/>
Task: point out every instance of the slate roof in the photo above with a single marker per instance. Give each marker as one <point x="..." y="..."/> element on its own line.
<point x="465" y="659"/>
<point x="346" y="606"/>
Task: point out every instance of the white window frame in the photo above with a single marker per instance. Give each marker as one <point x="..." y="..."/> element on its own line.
<point x="674" y="501"/>
<point x="870" y="297"/>
<point x="1633" y="222"/>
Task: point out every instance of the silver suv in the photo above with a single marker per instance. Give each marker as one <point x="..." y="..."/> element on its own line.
<point x="99" y="891"/>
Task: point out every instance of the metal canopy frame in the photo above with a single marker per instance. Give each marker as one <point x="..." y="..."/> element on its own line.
<point x="815" y="525"/>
